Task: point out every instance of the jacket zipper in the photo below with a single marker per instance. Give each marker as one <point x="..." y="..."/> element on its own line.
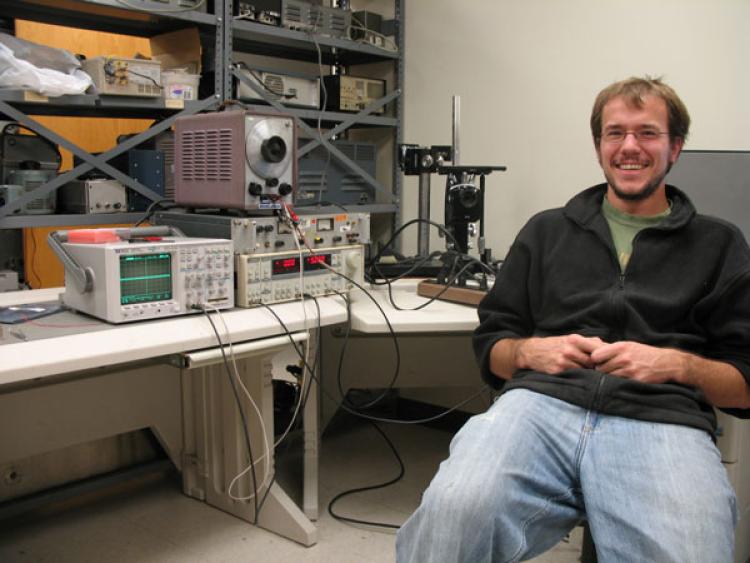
<point x="620" y="306"/>
<point x="621" y="281"/>
<point x="617" y="297"/>
<point x="594" y="405"/>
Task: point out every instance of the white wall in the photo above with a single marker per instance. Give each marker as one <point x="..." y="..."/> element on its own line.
<point x="528" y="71"/>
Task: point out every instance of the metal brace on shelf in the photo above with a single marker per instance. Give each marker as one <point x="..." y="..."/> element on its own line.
<point x="90" y="161"/>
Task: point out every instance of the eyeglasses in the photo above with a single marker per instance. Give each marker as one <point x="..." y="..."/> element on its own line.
<point x="641" y="135"/>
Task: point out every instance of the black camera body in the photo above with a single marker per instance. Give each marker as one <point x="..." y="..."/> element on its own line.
<point x="464" y="201"/>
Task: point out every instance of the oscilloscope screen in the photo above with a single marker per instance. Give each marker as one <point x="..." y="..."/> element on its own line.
<point x="145" y="277"/>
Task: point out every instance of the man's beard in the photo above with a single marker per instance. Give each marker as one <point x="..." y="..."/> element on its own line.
<point x="645" y="193"/>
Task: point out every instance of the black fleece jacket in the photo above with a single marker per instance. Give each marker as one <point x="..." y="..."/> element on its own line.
<point x="686" y="286"/>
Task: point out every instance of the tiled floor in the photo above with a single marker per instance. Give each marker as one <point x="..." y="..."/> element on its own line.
<point x="155" y="522"/>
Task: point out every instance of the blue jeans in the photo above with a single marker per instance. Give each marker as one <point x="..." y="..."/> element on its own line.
<point x="523" y="474"/>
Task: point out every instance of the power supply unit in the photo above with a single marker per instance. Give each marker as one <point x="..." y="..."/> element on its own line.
<point x="290" y="90"/>
<point x="116" y="76"/>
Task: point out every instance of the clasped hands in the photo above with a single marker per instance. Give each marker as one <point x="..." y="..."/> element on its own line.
<point x="631" y="360"/>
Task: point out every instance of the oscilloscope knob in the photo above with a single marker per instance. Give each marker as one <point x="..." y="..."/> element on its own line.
<point x="285" y="189"/>
<point x="254" y="188"/>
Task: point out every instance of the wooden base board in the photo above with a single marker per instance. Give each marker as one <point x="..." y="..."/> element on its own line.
<point x="463" y="295"/>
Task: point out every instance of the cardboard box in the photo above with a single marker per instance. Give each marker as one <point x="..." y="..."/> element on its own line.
<point x="178" y="49"/>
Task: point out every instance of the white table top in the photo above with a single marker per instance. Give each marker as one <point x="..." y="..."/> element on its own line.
<point x="437" y="317"/>
<point x="115" y="344"/>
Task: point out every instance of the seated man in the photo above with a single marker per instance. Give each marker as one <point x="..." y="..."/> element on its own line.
<point x="615" y="326"/>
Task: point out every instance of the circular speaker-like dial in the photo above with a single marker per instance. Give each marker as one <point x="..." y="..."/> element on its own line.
<point x="268" y="146"/>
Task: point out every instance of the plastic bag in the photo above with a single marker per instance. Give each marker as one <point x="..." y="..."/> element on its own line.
<point x="18" y="73"/>
<point x="41" y="56"/>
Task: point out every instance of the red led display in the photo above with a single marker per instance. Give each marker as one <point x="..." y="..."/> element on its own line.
<point x="285" y="266"/>
<point x="316" y="261"/>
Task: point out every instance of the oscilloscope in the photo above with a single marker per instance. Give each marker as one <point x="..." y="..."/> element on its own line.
<point x="125" y="275"/>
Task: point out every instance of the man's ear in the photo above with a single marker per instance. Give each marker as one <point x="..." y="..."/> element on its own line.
<point x="597" y="146"/>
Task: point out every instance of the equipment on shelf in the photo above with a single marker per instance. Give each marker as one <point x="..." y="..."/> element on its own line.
<point x="30" y="180"/>
<point x="147" y="167"/>
<point x="263" y="235"/>
<point x="178" y="84"/>
<point x="99" y="195"/>
<point x="273" y="278"/>
<point x="248" y="11"/>
<point x="9" y="193"/>
<point x="370" y="28"/>
<point x="22" y="151"/>
<point x="143" y="165"/>
<point x="324" y="178"/>
<point x="117" y="76"/>
<point x="352" y="93"/>
<point x="164" y="143"/>
<point x="290" y="90"/>
<point x="146" y="172"/>
<point x="125" y="275"/>
<point x="299" y="15"/>
<point x="175" y="6"/>
<point x="8" y="281"/>
<point x="364" y="21"/>
<point x="235" y="159"/>
<point x="313" y="18"/>
<point x="26" y="162"/>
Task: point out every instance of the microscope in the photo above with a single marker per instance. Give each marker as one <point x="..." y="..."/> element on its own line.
<point x="464" y="210"/>
<point x="464" y="217"/>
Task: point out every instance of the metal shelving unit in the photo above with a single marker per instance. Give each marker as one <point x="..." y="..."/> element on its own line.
<point x="111" y="16"/>
<point x="220" y="40"/>
<point x="88" y="105"/>
<point x="282" y="43"/>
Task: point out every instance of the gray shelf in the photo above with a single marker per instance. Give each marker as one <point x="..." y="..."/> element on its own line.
<point x="105" y="15"/>
<point x="274" y="41"/>
<point x="287" y="44"/>
<point x="111" y="16"/>
<point x="365" y="208"/>
<point x="330" y="118"/>
<point x="116" y="16"/>
<point x="58" y="220"/>
<point x="91" y="105"/>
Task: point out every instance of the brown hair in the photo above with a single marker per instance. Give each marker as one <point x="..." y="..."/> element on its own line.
<point x="634" y="90"/>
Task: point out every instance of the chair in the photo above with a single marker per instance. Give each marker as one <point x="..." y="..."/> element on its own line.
<point x="588" y="551"/>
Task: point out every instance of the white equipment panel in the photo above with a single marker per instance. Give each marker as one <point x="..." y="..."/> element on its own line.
<point x="139" y="279"/>
<point x="275" y="277"/>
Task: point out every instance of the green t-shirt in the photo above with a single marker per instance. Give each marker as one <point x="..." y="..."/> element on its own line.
<point x="625" y="226"/>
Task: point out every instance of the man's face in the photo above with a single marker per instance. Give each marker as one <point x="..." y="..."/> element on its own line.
<point x="635" y="169"/>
